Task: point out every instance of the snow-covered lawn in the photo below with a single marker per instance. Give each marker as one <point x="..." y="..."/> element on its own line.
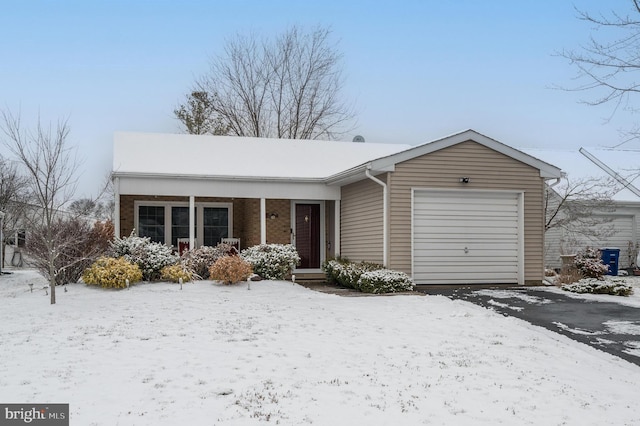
<point x="280" y="353"/>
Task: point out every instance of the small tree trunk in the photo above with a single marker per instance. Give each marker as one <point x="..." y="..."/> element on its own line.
<point x="52" y="279"/>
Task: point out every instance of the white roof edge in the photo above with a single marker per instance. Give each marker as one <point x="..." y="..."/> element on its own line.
<point x="608" y="170"/>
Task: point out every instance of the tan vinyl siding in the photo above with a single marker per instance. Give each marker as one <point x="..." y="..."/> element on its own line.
<point x="361" y="221"/>
<point x="486" y="169"/>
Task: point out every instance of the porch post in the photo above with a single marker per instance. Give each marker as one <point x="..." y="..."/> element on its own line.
<point x="336" y="228"/>
<point x="192" y="221"/>
<point x="116" y="207"/>
<point x="263" y="221"/>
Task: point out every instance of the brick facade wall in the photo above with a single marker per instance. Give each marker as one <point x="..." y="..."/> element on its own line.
<point x="279" y="229"/>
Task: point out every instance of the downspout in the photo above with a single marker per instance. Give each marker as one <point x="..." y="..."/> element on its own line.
<point x="545" y="279"/>
<point x="385" y="202"/>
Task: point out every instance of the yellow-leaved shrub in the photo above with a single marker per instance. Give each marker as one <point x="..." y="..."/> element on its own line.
<point x="230" y="270"/>
<point x="109" y="272"/>
<point x="173" y="273"/>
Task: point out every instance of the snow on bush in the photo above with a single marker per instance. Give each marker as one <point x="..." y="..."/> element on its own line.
<point x="149" y="256"/>
<point x="613" y="286"/>
<point x="109" y="272"/>
<point x="367" y="277"/>
<point x="200" y="259"/>
<point x="589" y="263"/>
<point x="351" y="273"/>
<point x="272" y="261"/>
<point x="333" y="267"/>
<point x="384" y="281"/>
<point x="173" y="273"/>
<point x="230" y="270"/>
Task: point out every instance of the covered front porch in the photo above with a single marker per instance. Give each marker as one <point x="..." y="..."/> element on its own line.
<point x="312" y="226"/>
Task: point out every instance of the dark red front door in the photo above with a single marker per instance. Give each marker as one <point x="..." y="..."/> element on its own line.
<point x="308" y="235"/>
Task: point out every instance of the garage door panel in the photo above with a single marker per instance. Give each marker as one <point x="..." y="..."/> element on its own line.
<point x="496" y="251"/>
<point x="483" y="223"/>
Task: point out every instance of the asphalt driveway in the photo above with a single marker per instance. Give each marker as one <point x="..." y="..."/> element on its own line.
<point x="608" y="326"/>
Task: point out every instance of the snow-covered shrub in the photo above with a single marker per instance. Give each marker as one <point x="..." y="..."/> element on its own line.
<point x="351" y="272"/>
<point x="613" y="286"/>
<point x="200" y="259"/>
<point x="230" y="270"/>
<point x="173" y="273"/>
<point x="109" y="272"/>
<point x="272" y="261"/>
<point x="384" y="281"/>
<point x="333" y="267"/>
<point x="589" y="263"/>
<point x="149" y="256"/>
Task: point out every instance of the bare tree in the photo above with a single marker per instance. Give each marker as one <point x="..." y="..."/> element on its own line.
<point x="283" y="88"/>
<point x="576" y="213"/>
<point x="50" y="166"/>
<point x="573" y="204"/>
<point x="14" y="199"/>
<point x="90" y="208"/>
<point x="198" y="116"/>
<point x="78" y="243"/>
<point x="609" y="65"/>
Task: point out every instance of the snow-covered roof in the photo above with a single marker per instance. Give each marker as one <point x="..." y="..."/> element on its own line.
<point x="577" y="166"/>
<point x="229" y="156"/>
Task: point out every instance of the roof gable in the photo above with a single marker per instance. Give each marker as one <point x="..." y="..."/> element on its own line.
<point x="546" y="170"/>
<point x="387" y="163"/>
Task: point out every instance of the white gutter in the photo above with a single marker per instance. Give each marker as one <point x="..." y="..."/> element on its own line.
<point x="610" y="171"/>
<point x="385" y="202"/>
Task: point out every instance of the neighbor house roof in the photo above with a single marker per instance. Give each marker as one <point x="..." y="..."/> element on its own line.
<point x="607" y="163"/>
<point x="239" y="157"/>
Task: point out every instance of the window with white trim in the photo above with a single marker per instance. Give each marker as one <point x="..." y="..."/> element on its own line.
<point x="165" y="222"/>
<point x="151" y="223"/>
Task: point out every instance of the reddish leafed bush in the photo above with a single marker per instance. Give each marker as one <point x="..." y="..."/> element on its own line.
<point x="230" y="270"/>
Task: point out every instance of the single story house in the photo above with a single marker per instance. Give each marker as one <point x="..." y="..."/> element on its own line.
<point x="464" y="209"/>
<point x="616" y="222"/>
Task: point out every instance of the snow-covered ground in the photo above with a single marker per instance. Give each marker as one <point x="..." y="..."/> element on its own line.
<point x="632" y="300"/>
<point x="280" y="353"/>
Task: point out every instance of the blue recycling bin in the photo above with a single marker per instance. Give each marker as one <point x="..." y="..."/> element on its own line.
<point x="610" y="256"/>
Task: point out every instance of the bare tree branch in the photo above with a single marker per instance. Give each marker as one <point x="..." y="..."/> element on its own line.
<point x="50" y="168"/>
<point x="286" y="88"/>
<point x="608" y="67"/>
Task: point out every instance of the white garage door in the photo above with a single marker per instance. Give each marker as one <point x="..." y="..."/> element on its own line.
<point x="466" y="237"/>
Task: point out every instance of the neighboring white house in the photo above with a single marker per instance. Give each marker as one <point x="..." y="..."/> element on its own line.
<point x="620" y="220"/>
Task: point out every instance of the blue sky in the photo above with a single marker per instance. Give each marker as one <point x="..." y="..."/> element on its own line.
<point x="415" y="70"/>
